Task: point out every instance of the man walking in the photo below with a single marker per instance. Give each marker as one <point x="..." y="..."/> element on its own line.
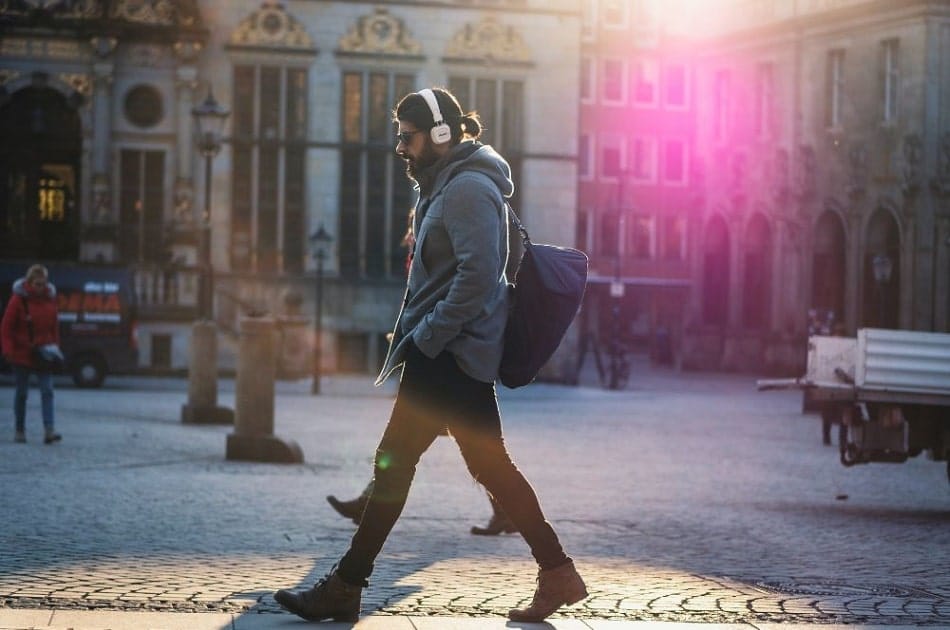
<point x="448" y="339"/>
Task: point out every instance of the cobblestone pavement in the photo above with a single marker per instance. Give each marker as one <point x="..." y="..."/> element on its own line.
<point x="688" y="497"/>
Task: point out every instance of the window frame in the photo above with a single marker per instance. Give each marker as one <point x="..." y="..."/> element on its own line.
<point x="622" y="100"/>
<point x="654" y="65"/>
<point x="890" y="75"/>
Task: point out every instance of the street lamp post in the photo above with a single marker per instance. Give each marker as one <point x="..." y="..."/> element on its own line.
<point x="319" y="241"/>
<point x="202" y="406"/>
<point x="209" y="117"/>
<point x="883" y="267"/>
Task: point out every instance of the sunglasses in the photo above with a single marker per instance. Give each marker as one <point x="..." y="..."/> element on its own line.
<point x="406" y="136"/>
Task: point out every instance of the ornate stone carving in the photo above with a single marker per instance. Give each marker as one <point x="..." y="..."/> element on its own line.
<point x="488" y="41"/>
<point x="145" y="11"/>
<point x="380" y="33"/>
<point x="940" y="183"/>
<point x="103" y="47"/>
<point x="187" y="50"/>
<point x="81" y="83"/>
<point x="53" y="8"/>
<point x="271" y="27"/>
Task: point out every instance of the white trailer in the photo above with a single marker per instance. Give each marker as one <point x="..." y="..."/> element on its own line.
<point x="888" y="389"/>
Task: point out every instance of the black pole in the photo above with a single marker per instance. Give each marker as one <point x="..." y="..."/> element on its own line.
<point x="207" y="289"/>
<point x="317" y="326"/>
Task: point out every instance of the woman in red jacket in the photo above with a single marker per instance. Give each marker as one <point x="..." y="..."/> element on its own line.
<point x="30" y="320"/>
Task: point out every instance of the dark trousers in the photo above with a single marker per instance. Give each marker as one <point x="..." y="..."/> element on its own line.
<point x="435" y="394"/>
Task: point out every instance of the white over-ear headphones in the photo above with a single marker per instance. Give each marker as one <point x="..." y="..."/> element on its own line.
<point x="441" y="132"/>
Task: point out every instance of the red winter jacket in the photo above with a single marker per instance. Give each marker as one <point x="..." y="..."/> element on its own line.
<point x="14" y="330"/>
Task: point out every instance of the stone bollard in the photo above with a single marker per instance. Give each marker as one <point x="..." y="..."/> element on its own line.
<point x="202" y="406"/>
<point x="253" y="438"/>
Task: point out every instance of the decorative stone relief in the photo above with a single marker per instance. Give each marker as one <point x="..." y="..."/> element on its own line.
<point x="187" y="51"/>
<point x="271" y="26"/>
<point x="81" y="83"/>
<point x="103" y="46"/>
<point x="145" y="11"/>
<point x="380" y="33"/>
<point x="55" y="8"/>
<point x="913" y="151"/>
<point x="488" y="41"/>
<point x="941" y="181"/>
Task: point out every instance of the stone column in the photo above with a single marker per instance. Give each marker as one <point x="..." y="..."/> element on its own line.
<point x="101" y="144"/>
<point x="253" y="438"/>
<point x="202" y="406"/>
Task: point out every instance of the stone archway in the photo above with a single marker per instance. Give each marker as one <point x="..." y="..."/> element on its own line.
<point x="881" y="296"/>
<point x="40" y="151"/>
<point x="828" y="271"/>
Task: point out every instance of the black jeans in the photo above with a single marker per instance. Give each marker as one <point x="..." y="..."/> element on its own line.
<point x="435" y="394"/>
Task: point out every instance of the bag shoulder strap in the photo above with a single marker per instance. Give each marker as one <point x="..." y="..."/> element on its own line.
<point x="518" y="225"/>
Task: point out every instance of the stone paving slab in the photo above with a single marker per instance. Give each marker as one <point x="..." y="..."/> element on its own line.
<point x="691" y="498"/>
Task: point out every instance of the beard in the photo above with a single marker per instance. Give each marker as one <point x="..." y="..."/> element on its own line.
<point x="416" y="166"/>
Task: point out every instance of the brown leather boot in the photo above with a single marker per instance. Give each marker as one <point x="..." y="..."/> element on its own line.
<point x="561" y="586"/>
<point x="499" y="523"/>
<point x="352" y="509"/>
<point x="330" y="598"/>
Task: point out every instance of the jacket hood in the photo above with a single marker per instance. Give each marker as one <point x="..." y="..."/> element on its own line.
<point x="19" y="288"/>
<point x="477" y="157"/>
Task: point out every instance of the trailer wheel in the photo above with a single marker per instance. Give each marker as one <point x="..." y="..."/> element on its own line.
<point x="88" y="370"/>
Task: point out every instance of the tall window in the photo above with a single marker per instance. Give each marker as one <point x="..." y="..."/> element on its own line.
<point x="890" y="75"/>
<point x="141" y="203"/>
<point x="721" y="97"/>
<point x="267" y="189"/>
<point x="640" y="233"/>
<point x="613" y="81"/>
<point x="674" y="237"/>
<point x="500" y="104"/>
<point x="643" y="159"/>
<point x="645" y="80"/>
<point x="375" y="196"/>
<point x="612" y="159"/>
<point x="764" y="89"/>
<point x="835" y="88"/>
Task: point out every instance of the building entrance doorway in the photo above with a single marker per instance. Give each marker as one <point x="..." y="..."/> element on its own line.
<point x="40" y="148"/>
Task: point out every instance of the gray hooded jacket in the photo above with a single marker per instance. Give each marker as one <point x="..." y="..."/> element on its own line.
<point x="457" y="293"/>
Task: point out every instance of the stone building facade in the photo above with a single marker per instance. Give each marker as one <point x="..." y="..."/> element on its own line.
<point x="96" y="99"/>
<point x="823" y="130"/>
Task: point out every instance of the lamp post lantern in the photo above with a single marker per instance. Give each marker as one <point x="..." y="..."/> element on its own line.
<point x="209" y="117"/>
<point x="319" y="241"/>
<point x="882" y="267"/>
